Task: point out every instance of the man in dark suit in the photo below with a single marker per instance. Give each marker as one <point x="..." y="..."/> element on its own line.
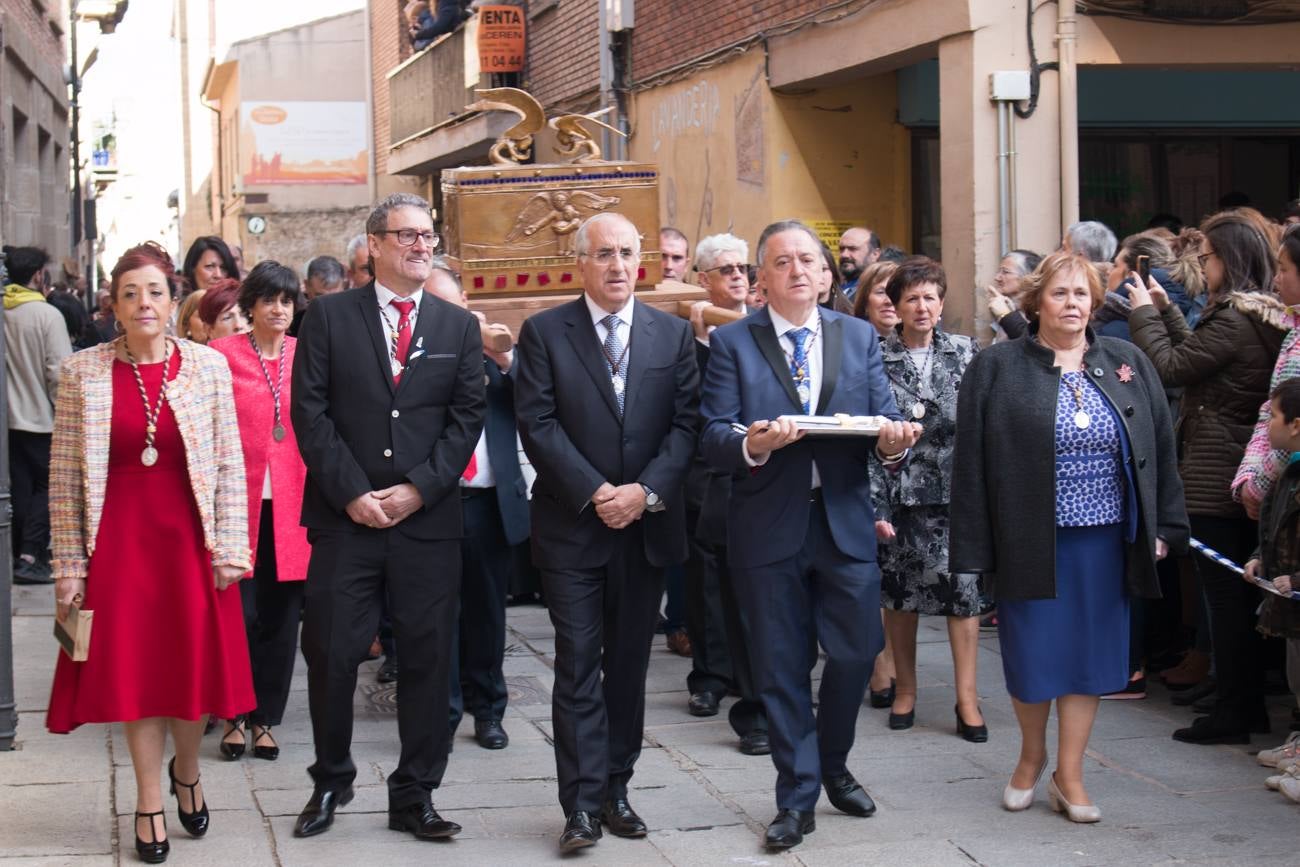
<point x="799" y="536"/>
<point x="719" y="637"/>
<point x="606" y="395"/>
<point x="494" y="501"/>
<point x="387" y="406"/>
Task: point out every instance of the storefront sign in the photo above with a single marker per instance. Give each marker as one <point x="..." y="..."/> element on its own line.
<point x="501" y="32"/>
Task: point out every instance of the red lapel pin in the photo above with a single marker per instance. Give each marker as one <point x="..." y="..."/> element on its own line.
<point x="1125" y="373"/>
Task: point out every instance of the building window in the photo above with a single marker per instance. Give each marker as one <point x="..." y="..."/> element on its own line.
<point x="927" y="202"/>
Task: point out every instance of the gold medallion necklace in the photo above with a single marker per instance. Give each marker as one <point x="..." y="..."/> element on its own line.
<point x="149" y="456"/>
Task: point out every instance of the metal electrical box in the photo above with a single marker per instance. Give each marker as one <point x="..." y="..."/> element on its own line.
<point x="1012" y="86"/>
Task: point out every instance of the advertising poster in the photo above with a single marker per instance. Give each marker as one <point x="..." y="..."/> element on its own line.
<point x="303" y="143"/>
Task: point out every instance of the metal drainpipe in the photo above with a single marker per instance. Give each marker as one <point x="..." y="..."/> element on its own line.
<point x="1004" y="182"/>
<point x="372" y="175"/>
<point x="1069" y="113"/>
<point x="1013" y="242"/>
<point x="8" y="708"/>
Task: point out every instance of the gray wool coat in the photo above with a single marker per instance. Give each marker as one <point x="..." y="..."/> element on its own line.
<point x="1003" y="508"/>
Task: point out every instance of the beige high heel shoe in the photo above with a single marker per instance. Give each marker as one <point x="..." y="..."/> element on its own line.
<point x="1073" y="812"/>
<point x="1015" y="800"/>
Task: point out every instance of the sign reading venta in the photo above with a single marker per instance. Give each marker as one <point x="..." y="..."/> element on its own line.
<point x="501" y="31"/>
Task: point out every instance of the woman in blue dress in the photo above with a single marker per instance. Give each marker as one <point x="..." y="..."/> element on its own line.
<point x="1065" y="493"/>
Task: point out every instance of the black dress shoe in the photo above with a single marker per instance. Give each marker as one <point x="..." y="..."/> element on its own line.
<point x="581" y="830"/>
<point x="756" y="743"/>
<point x="195" y="823"/>
<point x="788" y="828"/>
<point x="1213" y="730"/>
<point x="154" y="851"/>
<point x="26" y="572"/>
<point x="232" y="750"/>
<point x="387" y="671"/>
<point x="847" y="795"/>
<point x="490" y="735"/>
<point x="975" y="734"/>
<point x="621" y="819"/>
<point x="267" y="752"/>
<point x="421" y="820"/>
<point x="703" y="704"/>
<point x="900" y="721"/>
<point x="884" y="698"/>
<point x="318" y="815"/>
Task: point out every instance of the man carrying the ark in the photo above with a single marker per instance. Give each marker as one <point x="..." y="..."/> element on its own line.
<point x="802" y="557"/>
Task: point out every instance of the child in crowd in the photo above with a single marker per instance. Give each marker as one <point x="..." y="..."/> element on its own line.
<point x="1278" y="559"/>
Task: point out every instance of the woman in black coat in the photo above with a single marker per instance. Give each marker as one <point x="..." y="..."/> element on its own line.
<point x="1065" y="493"/>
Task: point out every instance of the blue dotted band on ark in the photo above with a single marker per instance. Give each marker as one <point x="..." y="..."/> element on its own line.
<point x="483" y="182"/>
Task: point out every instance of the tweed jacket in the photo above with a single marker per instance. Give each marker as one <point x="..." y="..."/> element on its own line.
<point x="1224" y="363"/>
<point x="1002" y="518"/>
<point x="202" y="400"/>
<point x="925" y="479"/>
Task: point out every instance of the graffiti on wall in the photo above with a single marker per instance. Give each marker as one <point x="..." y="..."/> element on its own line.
<point x="695" y="109"/>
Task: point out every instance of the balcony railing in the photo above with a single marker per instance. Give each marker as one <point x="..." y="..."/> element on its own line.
<point x="429" y="90"/>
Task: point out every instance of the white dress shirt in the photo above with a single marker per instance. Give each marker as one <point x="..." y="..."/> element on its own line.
<point x="813" y="347"/>
<point x="389" y="318"/>
<point x="483" y="477"/>
<point x="624" y="320"/>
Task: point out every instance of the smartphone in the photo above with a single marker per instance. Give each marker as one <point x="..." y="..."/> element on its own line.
<point x="1144" y="269"/>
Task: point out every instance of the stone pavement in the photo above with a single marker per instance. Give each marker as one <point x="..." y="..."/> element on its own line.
<point x="69" y="799"/>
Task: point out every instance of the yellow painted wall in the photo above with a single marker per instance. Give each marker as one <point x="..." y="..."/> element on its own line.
<point x="734" y="156"/>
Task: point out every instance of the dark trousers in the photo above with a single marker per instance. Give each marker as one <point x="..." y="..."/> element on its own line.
<point x="350" y="573"/>
<point x="272" y="611"/>
<point x="719" y="638"/>
<point x="604" y="622"/>
<point x="480" y="687"/>
<point x="821" y="592"/>
<point x="1231" y="603"/>
<point x="29" y="475"/>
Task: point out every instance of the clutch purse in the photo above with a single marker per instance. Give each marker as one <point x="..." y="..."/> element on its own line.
<point x="73" y="631"/>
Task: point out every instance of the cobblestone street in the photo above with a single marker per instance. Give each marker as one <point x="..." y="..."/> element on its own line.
<point x="69" y="799"/>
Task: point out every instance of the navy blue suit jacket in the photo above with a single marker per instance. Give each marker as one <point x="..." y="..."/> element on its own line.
<point x="749" y="379"/>
<point x="503" y="452"/>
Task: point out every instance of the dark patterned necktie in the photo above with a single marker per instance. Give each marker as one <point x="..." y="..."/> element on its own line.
<point x="615" y="359"/>
<point x="799" y="367"/>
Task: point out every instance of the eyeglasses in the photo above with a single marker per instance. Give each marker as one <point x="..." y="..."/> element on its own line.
<point x="728" y="270"/>
<point x="606" y="255"/>
<point x="406" y="237"/>
<point x="1205" y="257"/>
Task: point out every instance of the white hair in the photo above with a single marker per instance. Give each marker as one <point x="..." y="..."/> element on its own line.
<point x="581" y="241"/>
<point x="1092" y="240"/>
<point x="357" y="242"/>
<point x="710" y="249"/>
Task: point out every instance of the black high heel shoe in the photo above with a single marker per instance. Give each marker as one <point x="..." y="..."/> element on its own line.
<point x="270" y="753"/>
<point x="900" y="721"/>
<point x="233" y="749"/>
<point x="155" y="851"/>
<point x="883" y="698"/>
<point x="195" y="823"/>
<point x="975" y="734"/>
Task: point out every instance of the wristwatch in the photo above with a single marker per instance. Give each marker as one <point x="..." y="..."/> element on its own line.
<point x="652" y="501"/>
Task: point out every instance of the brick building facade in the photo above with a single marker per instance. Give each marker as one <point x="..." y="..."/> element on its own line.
<point x="564" y="54"/>
<point x="33" y="126"/>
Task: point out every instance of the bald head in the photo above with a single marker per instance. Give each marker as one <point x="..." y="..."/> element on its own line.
<point x="859" y="247"/>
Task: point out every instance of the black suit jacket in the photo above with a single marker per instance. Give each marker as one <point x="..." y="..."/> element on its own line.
<point x="569" y="422"/>
<point x="503" y="453"/>
<point x="359" y="432"/>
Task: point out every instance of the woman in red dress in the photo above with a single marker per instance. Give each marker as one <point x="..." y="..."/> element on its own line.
<point x="261" y="363"/>
<point x="149" y="526"/>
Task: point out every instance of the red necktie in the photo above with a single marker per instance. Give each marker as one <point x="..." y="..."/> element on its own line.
<point x="471" y="470"/>
<point x="403" y="338"/>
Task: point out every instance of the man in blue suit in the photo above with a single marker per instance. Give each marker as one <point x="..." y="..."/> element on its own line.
<point x="494" y="503"/>
<point x="800" y="531"/>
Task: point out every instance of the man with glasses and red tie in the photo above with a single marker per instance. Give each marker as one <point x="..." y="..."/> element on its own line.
<point x="606" y="398"/>
<point x="388" y="404"/>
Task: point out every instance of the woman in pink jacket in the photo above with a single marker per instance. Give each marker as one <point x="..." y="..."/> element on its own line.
<point x="261" y="366"/>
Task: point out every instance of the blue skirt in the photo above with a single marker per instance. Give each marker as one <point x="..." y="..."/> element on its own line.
<point x="1077" y="643"/>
